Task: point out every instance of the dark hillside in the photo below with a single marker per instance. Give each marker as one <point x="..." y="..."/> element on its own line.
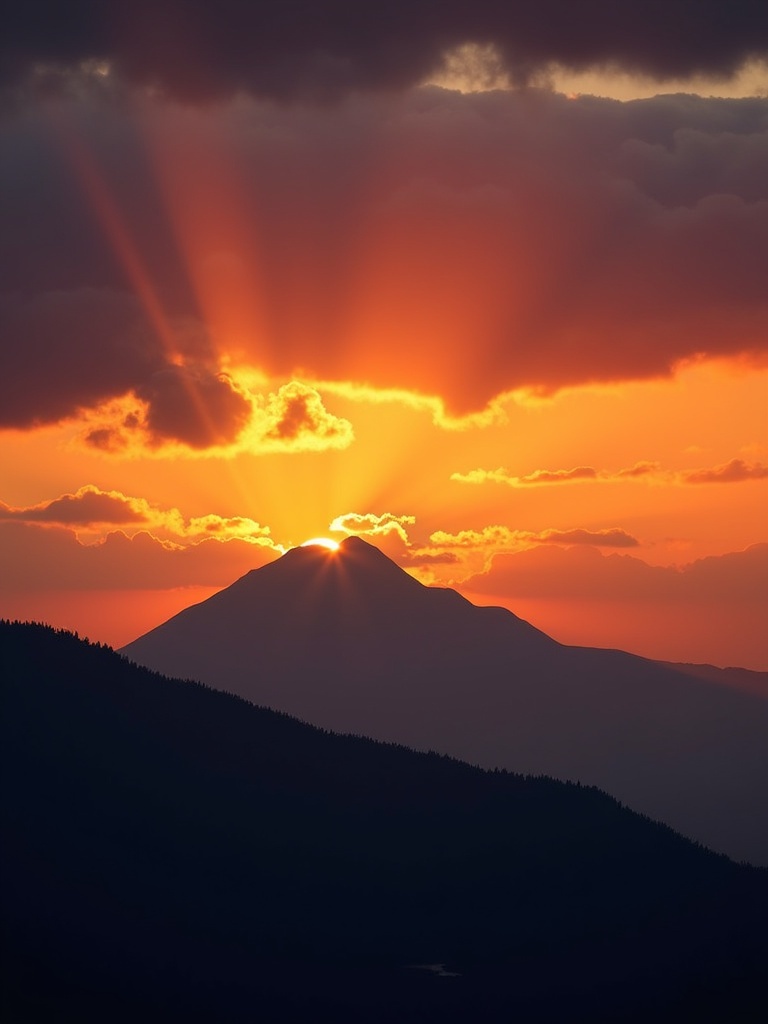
<point x="348" y="641"/>
<point x="171" y="852"/>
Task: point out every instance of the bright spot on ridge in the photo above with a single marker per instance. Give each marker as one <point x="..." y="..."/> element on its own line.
<point x="323" y="542"/>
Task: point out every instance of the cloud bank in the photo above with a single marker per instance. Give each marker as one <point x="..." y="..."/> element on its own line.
<point x="382" y="240"/>
<point x="320" y="50"/>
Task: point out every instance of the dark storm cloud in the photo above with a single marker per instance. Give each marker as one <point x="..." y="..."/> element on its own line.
<point x="323" y="48"/>
<point x="64" y="350"/>
<point x="193" y="406"/>
<point x="558" y="241"/>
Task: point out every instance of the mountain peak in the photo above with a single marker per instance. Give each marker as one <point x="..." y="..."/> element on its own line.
<point x="354" y="566"/>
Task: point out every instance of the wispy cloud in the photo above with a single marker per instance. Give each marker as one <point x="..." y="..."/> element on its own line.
<point x="734" y="471"/>
<point x="502" y="538"/>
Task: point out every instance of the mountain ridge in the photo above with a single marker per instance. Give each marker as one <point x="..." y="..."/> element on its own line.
<point x="170" y="851"/>
<point x="350" y="642"/>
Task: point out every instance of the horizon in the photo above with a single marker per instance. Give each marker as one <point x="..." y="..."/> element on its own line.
<point x="493" y="302"/>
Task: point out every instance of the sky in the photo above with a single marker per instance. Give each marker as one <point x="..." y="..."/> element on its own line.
<point x="485" y="284"/>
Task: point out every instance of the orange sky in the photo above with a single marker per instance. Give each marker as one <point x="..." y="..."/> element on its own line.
<point x="517" y="340"/>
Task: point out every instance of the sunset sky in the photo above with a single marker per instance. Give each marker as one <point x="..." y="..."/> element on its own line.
<point x="485" y="283"/>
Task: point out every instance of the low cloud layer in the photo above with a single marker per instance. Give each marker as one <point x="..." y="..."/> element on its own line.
<point x="91" y="511"/>
<point x="35" y="558"/>
<point x="581" y="573"/>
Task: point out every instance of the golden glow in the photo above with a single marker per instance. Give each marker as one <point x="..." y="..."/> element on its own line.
<point x="391" y="431"/>
<point x="321" y="542"/>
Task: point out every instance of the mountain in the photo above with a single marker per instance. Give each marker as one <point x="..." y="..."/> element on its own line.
<point x="348" y="641"/>
<point x="744" y="679"/>
<point x="170" y="852"/>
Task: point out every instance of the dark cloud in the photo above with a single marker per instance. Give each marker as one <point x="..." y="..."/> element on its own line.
<point x="197" y="408"/>
<point x="64" y="350"/>
<point x="559" y="241"/>
<point x="197" y="50"/>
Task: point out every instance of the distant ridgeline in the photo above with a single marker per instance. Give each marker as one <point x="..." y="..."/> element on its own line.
<point x="174" y="853"/>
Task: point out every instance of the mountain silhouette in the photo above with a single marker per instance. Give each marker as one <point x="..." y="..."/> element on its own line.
<point x="170" y="852"/>
<point x="348" y="641"/>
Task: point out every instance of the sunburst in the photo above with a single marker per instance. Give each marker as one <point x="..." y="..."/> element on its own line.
<point x="322" y="542"/>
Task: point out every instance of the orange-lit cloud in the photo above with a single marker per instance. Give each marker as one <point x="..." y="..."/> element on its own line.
<point x="501" y="538"/>
<point x="734" y="471"/>
<point x="404" y="280"/>
<point x="295" y="419"/>
<point x="90" y="509"/>
<point x="381" y="242"/>
<point x="162" y="419"/>
<point x="373" y="525"/>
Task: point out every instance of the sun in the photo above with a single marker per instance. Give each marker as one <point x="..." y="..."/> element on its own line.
<point x="322" y="542"/>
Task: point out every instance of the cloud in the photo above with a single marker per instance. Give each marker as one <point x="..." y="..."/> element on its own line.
<point x="89" y="510"/>
<point x="732" y="472"/>
<point x="374" y="525"/>
<point x="184" y="412"/>
<point x="424" y="557"/>
<point x="194" y="407"/>
<point x="87" y="506"/>
<point x="306" y="49"/>
<point x="37" y="558"/>
<point x="582" y="573"/>
<point x="612" y="538"/>
<point x="712" y="609"/>
<point x="389" y="533"/>
<point x="295" y="419"/>
<point x="63" y="350"/>
<point x="375" y="242"/>
<point x="503" y="538"/>
<point x="540" y="476"/>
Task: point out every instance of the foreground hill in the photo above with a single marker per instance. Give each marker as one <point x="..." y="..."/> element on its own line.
<point x="348" y="641"/>
<point x="172" y="853"/>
